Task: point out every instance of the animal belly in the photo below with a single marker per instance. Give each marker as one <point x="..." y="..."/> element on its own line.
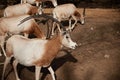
<point x="24" y="59"/>
<point x="25" y="62"/>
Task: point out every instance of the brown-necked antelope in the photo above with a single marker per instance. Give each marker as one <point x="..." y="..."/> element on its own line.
<point x="35" y="52"/>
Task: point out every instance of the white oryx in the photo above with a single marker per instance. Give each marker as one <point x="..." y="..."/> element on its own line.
<point x="11" y="25"/>
<point x="35" y="52"/>
<point x="20" y="9"/>
<point x="67" y="11"/>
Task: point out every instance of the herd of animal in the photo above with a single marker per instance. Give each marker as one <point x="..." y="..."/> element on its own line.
<point x="38" y="52"/>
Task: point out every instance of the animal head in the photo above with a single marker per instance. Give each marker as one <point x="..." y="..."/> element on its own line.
<point x="80" y="17"/>
<point x="67" y="41"/>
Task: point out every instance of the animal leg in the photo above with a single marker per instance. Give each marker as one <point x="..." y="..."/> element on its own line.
<point x="69" y="28"/>
<point x="37" y="72"/>
<point x="74" y="22"/>
<point x="15" y="63"/>
<point x="23" y="1"/>
<point x="54" y="28"/>
<point x="52" y="72"/>
<point x="52" y="33"/>
<point x="37" y="3"/>
<point x="2" y="39"/>
<point x="3" y="51"/>
<point x="58" y="27"/>
<point x="40" y="10"/>
<point x="7" y="60"/>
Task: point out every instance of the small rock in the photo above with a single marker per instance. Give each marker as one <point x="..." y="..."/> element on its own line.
<point x="106" y="56"/>
<point x="92" y="28"/>
<point x="79" y="44"/>
<point x="118" y="32"/>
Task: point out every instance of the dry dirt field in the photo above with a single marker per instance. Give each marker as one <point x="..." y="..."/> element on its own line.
<point x="97" y="57"/>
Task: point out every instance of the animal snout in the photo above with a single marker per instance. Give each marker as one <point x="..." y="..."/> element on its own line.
<point x="74" y="45"/>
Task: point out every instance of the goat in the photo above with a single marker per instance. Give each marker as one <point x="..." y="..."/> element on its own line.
<point x="35" y="52"/>
<point x="20" y="9"/>
<point x="67" y="11"/>
<point x="11" y="25"/>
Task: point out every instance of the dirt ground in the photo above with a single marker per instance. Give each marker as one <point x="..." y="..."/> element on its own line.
<point x="97" y="57"/>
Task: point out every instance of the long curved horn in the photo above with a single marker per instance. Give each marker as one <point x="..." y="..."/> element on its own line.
<point x="39" y="16"/>
<point x="84" y="11"/>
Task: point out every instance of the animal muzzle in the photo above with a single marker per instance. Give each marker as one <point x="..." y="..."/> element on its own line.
<point x="74" y="45"/>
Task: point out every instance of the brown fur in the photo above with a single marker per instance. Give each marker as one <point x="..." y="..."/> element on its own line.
<point x="33" y="10"/>
<point x="35" y="29"/>
<point x="9" y="51"/>
<point x="77" y="14"/>
<point x="51" y="52"/>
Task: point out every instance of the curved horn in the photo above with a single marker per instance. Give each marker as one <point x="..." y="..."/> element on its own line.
<point x="84" y="11"/>
<point x="39" y="16"/>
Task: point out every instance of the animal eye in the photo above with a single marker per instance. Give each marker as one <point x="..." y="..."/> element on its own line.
<point x="67" y="37"/>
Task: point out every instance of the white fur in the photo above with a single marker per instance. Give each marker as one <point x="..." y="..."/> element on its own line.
<point x="34" y="47"/>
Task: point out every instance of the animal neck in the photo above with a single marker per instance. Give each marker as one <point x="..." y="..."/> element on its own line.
<point x="33" y="10"/>
<point x="51" y="50"/>
<point x="56" y="41"/>
<point x="77" y="14"/>
<point x="38" y="33"/>
<point x="54" y="45"/>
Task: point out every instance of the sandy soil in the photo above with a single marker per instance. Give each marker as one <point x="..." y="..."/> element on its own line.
<point x="97" y="57"/>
